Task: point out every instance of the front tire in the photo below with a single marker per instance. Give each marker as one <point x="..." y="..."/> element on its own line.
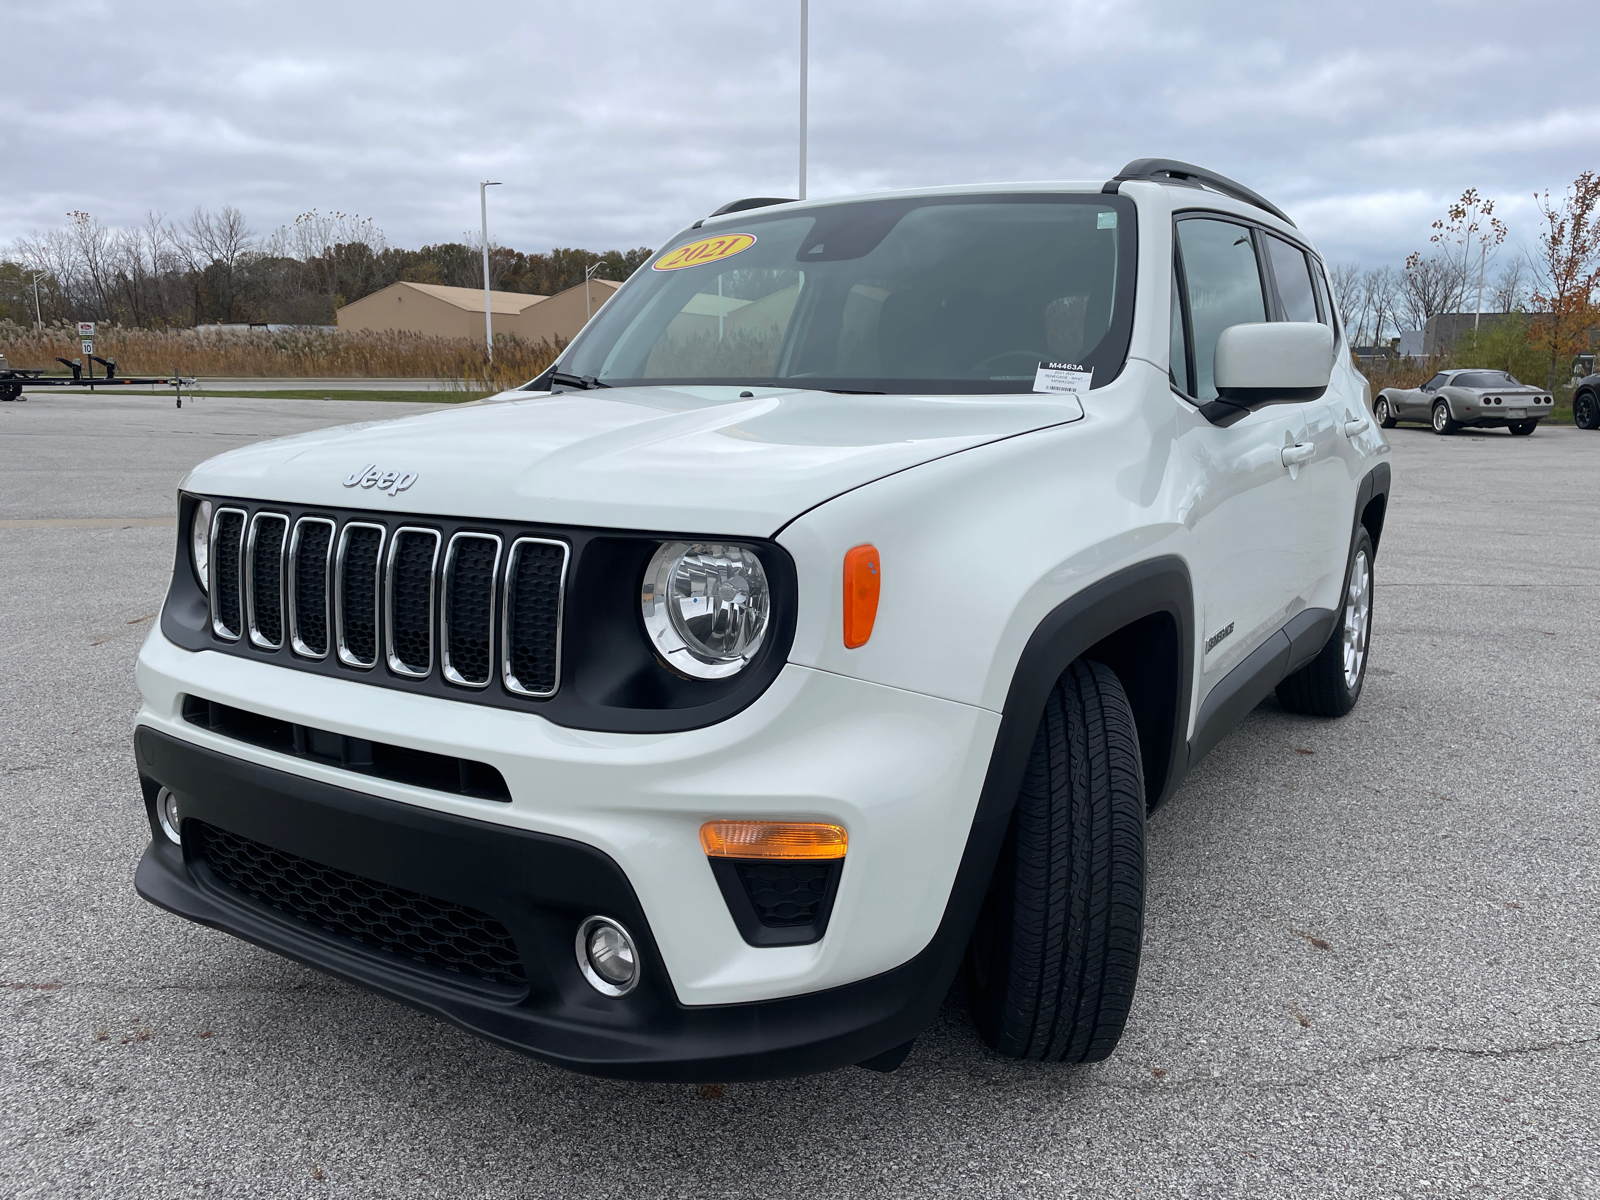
<point x="1384" y="414"/>
<point x="1521" y="428"/>
<point x="1330" y="684"/>
<point x="1586" y="410"/>
<point x="1054" y="958"/>
<point x="1443" y="422"/>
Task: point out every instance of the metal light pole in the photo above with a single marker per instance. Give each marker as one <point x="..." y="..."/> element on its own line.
<point x="38" y="316"/>
<point x="483" y="206"/>
<point x="804" y="54"/>
<point x="1483" y="261"/>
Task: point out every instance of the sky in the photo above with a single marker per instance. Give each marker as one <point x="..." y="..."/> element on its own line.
<point x="615" y="123"/>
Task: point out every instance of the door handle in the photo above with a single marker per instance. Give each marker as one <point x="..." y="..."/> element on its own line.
<point x="1351" y="428"/>
<point x="1298" y="453"/>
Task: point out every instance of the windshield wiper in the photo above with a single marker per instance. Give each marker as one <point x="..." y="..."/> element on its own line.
<point x="852" y="392"/>
<point x="585" y="382"/>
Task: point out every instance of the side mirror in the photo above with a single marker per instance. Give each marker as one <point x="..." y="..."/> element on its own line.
<point x="1276" y="362"/>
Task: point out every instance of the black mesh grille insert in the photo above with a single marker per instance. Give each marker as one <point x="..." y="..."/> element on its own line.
<point x="266" y="578"/>
<point x="225" y="571"/>
<point x="469" y="608"/>
<point x="311" y="586"/>
<point x="392" y="919"/>
<point x="533" y="609"/>
<point x="786" y="894"/>
<point x="411" y="599"/>
<point x="359" y="589"/>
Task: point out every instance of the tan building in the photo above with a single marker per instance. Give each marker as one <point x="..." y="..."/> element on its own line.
<point x="455" y="312"/>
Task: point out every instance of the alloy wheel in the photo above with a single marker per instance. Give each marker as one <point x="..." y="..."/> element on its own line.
<point x="1357" y="619"/>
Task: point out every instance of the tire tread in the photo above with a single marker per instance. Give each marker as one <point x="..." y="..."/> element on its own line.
<point x="1076" y="878"/>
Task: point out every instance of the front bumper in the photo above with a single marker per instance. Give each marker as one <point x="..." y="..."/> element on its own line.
<point x="539" y="887"/>
<point x="901" y="771"/>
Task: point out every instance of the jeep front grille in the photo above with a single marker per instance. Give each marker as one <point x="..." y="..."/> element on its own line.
<point x="533" y="616"/>
<point x="412" y="557"/>
<point x="470" y="568"/>
<point x="308" y="586"/>
<point x="227" y="555"/>
<point x="264" y="593"/>
<point x="356" y="587"/>
<point x="378" y="596"/>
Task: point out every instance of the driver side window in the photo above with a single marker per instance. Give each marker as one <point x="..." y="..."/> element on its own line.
<point x="1224" y="288"/>
<point x="1434" y="384"/>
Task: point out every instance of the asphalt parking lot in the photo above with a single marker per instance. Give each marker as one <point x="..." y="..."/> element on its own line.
<point x="1372" y="962"/>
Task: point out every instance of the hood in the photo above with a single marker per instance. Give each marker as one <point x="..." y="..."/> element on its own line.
<point x="680" y="459"/>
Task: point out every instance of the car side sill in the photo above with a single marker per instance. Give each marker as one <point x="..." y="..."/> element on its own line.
<point x="1249" y="683"/>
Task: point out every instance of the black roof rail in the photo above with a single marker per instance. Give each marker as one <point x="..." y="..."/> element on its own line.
<point x="1170" y="170"/>
<point x="733" y="206"/>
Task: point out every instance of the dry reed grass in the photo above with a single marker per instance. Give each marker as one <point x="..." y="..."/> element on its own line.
<point x="303" y="353"/>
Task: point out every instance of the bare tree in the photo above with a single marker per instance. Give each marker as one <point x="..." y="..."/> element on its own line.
<point x="1378" y="289"/>
<point x="218" y="248"/>
<point x="338" y="253"/>
<point x="1345" y="279"/>
<point x="1428" y="286"/>
<point x="1511" y="286"/>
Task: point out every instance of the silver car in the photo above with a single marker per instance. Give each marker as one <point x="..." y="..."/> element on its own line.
<point x="1458" y="399"/>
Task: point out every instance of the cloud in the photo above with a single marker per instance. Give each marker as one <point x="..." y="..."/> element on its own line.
<point x="616" y="122"/>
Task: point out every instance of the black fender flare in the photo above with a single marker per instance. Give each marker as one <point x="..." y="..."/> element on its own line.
<point x="1156" y="586"/>
<point x="1159" y="585"/>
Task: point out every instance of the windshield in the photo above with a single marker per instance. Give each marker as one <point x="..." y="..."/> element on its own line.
<point x="1485" y="379"/>
<point x="948" y="294"/>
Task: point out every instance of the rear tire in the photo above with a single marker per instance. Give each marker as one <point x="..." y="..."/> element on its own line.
<point x="1443" y="422"/>
<point x="1586" y="410"/>
<point x="1054" y="958"/>
<point x="1522" y="428"/>
<point x="1330" y="684"/>
<point x="1383" y="413"/>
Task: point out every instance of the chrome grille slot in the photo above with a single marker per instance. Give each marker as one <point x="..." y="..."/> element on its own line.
<point x="357" y="578"/>
<point x="309" y="553"/>
<point x="227" y="558"/>
<point x="413" y="554"/>
<point x="263" y="591"/>
<point x="536" y="578"/>
<point x="471" y="570"/>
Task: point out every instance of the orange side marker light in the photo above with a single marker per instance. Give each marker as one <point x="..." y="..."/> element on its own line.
<point x="773" y="839"/>
<point x="863" y="576"/>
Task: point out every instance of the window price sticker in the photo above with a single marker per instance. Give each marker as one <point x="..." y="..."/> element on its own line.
<point x="1062" y="378"/>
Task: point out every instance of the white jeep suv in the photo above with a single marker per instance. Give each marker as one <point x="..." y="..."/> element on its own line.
<point x="825" y="622"/>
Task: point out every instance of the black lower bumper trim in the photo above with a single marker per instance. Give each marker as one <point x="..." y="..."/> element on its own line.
<point x="538" y="887"/>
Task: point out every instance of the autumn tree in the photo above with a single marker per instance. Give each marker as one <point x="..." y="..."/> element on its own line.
<point x="1566" y="271"/>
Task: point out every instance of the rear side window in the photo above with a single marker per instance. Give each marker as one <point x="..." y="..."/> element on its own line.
<point x="1324" y="303"/>
<point x="1295" y="290"/>
<point x="1223" y="284"/>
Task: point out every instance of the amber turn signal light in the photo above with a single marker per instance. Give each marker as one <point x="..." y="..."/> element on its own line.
<point x="862" y="579"/>
<point x="773" y="839"/>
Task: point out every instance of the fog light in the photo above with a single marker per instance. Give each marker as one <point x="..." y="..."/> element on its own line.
<point x="607" y="957"/>
<point x="167" y="814"/>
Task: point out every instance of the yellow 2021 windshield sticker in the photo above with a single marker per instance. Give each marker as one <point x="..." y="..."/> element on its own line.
<point x="705" y="250"/>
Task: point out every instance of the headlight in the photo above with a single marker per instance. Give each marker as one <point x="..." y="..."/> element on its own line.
<point x="706" y="607"/>
<point x="200" y="543"/>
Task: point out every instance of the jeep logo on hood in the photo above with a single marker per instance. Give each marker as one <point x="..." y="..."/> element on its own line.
<point x="369" y="476"/>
